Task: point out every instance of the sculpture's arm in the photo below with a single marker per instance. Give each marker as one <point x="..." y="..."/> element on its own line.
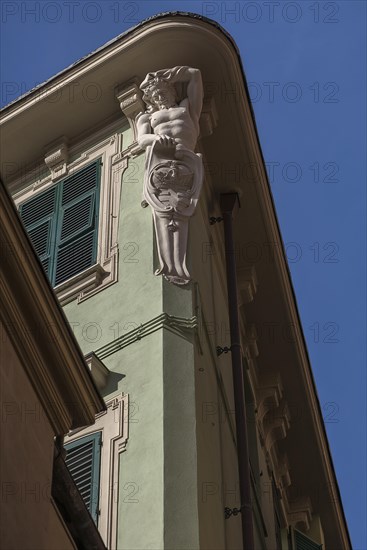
<point x="194" y="82"/>
<point x="145" y="136"/>
<point x="195" y="91"/>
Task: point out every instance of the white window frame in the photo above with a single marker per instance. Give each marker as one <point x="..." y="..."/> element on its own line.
<point x="105" y="271"/>
<point x="114" y="425"/>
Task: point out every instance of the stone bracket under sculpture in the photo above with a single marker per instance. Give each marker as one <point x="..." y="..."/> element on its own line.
<point x="168" y="131"/>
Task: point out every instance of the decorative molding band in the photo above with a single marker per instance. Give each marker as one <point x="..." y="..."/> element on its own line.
<point x="185" y="328"/>
<point x="37" y="176"/>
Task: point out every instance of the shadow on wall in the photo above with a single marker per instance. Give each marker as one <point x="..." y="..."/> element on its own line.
<point x="112" y="383"/>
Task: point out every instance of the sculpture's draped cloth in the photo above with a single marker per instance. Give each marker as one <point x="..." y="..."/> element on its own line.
<point x="168" y="132"/>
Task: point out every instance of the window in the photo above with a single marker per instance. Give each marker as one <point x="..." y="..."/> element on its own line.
<point x="103" y="153"/>
<point x="302" y="542"/>
<point x="83" y="458"/>
<point x="95" y="464"/>
<point x="62" y="224"/>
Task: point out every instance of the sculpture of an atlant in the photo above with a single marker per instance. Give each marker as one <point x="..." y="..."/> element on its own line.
<point x="168" y="131"/>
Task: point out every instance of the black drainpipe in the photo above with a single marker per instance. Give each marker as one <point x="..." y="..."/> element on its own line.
<point x="229" y="203"/>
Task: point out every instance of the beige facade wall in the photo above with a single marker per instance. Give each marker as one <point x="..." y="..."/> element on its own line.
<point x="218" y="481"/>
<point x="28" y="516"/>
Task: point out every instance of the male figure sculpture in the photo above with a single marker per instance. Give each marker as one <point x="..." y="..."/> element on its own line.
<point x="168" y="131"/>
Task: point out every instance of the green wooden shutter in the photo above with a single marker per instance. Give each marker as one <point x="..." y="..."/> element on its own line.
<point x="77" y="231"/>
<point x="83" y="458"/>
<point x="62" y="224"/>
<point x="304" y="543"/>
<point x="39" y="218"/>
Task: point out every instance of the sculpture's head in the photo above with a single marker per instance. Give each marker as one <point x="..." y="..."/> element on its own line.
<point x="158" y="94"/>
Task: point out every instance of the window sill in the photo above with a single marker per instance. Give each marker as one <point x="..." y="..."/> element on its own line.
<point x="80" y="286"/>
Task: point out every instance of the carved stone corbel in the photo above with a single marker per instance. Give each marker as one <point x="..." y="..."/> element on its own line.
<point x="56" y="158"/>
<point x="251" y="340"/>
<point x="268" y="395"/>
<point x="247" y="284"/>
<point x="283" y="472"/>
<point x="300" y="512"/>
<point x="275" y="426"/>
<point x="209" y="117"/>
<point x="131" y="104"/>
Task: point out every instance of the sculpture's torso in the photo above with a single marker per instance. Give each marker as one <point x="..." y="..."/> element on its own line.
<point x="176" y="123"/>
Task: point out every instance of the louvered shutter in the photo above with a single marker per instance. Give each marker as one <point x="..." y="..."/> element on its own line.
<point x="83" y="459"/>
<point x="76" y="248"/>
<point x="302" y="542"/>
<point x="62" y="224"/>
<point x="39" y="218"/>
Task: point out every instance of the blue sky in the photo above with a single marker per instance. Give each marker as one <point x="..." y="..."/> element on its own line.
<point x="305" y="66"/>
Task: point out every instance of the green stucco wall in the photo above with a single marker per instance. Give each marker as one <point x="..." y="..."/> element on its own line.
<point x="179" y="469"/>
<point x="136" y="369"/>
<point x="158" y="480"/>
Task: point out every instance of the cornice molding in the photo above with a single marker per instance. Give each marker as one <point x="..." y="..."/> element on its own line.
<point x="125" y="41"/>
<point x="300" y="345"/>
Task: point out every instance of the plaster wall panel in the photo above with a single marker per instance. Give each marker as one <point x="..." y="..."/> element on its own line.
<point x="26" y="507"/>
